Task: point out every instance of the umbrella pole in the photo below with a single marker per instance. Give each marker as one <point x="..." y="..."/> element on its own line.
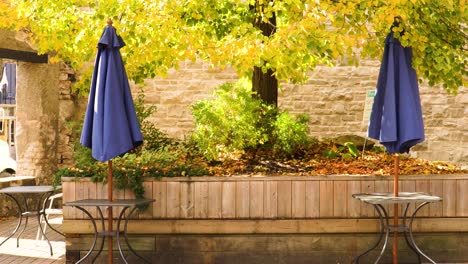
<point x="395" y="208"/>
<point x="110" y="217"/>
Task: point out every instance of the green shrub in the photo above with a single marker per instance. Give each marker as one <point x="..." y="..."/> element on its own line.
<point x="229" y="123"/>
<point x="290" y="133"/>
<point x="233" y="121"/>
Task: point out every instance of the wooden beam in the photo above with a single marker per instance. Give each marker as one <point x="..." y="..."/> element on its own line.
<point x="269" y="226"/>
<point x="26" y="56"/>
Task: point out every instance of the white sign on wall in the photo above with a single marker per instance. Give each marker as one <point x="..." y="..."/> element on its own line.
<point x="369" y="101"/>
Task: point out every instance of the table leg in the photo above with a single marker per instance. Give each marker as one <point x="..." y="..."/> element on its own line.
<point x="103" y="226"/>
<point x="95" y="234"/>
<point x="45" y="218"/>
<point x="126" y="237"/>
<point x="406" y="229"/>
<point x="410" y="228"/>
<point x="385" y="225"/>
<point x="20" y="219"/>
<point x="380" y="210"/>
<point x="118" y="233"/>
<point x="26" y="213"/>
<point x="40" y="211"/>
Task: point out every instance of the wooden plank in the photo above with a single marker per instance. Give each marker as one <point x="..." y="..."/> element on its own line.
<point x="80" y="194"/>
<point x="269" y="226"/>
<point x="68" y="189"/>
<point x="92" y="194"/>
<point x="148" y="212"/>
<point x="462" y="198"/>
<point x="26" y="56"/>
<point x="270" y="207"/>
<point x="117" y="194"/>
<point x="284" y="199"/>
<point x="101" y="190"/>
<point x="408" y="186"/>
<point x="383" y="186"/>
<point x="449" y="198"/>
<point x="173" y="200"/>
<point x="242" y="199"/>
<point x="201" y="200"/>
<point x="340" y="200"/>
<point x="326" y="198"/>
<point x="214" y="200"/>
<point x="129" y="194"/>
<point x="423" y="186"/>
<point x="228" y="200"/>
<point x="256" y="199"/>
<point x="354" y="205"/>
<point x="159" y="193"/>
<point x="187" y="199"/>
<point x="298" y="199"/>
<point x="436" y="187"/>
<point x="312" y="199"/>
<point x="367" y="210"/>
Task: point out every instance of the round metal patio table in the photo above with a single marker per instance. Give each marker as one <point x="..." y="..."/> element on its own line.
<point x="378" y="200"/>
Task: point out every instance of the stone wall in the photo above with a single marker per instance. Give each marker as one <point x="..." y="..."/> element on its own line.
<point x="44" y="107"/>
<point x="334" y="98"/>
<point x="49" y="113"/>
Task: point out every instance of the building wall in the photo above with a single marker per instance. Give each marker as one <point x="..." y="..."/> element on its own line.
<point x="44" y="108"/>
<point x="334" y="98"/>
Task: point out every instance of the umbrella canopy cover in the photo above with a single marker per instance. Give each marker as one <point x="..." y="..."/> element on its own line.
<point x="396" y="117"/>
<point x="110" y="127"/>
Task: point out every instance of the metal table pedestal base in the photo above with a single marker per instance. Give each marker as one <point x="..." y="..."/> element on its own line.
<point x="386" y="228"/>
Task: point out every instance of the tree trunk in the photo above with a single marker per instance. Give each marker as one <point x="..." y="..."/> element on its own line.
<point x="265" y="84"/>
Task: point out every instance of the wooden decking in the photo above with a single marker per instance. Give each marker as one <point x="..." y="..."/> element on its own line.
<point x="30" y="250"/>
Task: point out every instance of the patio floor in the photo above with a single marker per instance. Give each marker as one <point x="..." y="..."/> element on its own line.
<point x="30" y="250"/>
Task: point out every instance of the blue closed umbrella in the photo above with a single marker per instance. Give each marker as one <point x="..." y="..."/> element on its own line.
<point x="110" y="126"/>
<point x="396" y="117"/>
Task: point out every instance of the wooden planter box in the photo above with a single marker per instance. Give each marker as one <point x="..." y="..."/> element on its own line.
<point x="298" y="207"/>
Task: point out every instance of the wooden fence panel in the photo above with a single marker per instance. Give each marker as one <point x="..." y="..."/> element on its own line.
<point x="148" y="212"/>
<point x="312" y="199"/>
<point x="436" y="187"/>
<point x="383" y="186"/>
<point x="450" y="198"/>
<point x="298" y="199"/>
<point x="284" y="199"/>
<point x="256" y="199"/>
<point x="187" y="199"/>
<point x="228" y="200"/>
<point x="159" y="193"/>
<point x="173" y="200"/>
<point x="68" y="189"/>
<point x="214" y="200"/>
<point x="462" y="198"/>
<point x="242" y="199"/>
<point x="423" y="186"/>
<point x="354" y="205"/>
<point x="408" y="186"/>
<point x="340" y="199"/>
<point x="271" y="199"/>
<point x="326" y="204"/>
<point x="201" y="200"/>
<point x="366" y="209"/>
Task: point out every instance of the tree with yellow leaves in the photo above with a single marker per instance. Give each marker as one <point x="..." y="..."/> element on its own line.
<point x="272" y="40"/>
